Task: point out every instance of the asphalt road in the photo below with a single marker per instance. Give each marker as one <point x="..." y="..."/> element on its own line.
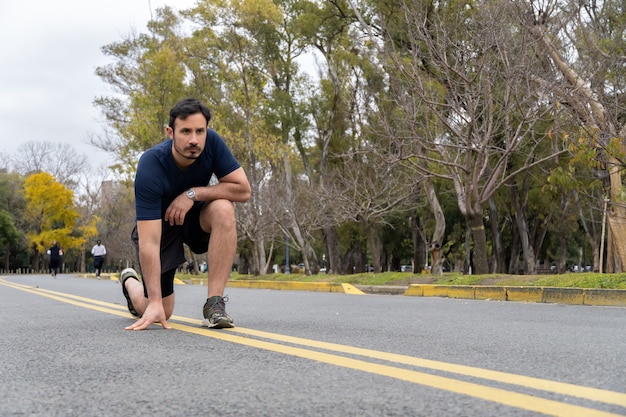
<point x="64" y="352"/>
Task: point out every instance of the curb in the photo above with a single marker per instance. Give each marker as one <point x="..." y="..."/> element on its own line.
<point x="554" y="295"/>
<point x="574" y="296"/>
<point x="297" y="286"/>
<point x="104" y="276"/>
<point x="115" y="277"/>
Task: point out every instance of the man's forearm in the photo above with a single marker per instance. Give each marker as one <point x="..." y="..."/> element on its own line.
<point x="233" y="187"/>
<point x="226" y="191"/>
<point x="151" y="271"/>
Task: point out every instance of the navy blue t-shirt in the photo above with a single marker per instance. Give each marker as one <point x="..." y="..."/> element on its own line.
<point x="159" y="181"/>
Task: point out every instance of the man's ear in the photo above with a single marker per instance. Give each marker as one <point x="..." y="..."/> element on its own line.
<point x="169" y="131"/>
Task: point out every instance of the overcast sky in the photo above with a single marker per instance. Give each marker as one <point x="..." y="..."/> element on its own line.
<point x="49" y="50"/>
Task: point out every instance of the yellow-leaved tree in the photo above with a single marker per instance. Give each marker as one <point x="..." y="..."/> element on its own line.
<point x="51" y="215"/>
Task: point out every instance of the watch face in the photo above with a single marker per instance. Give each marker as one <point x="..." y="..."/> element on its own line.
<point x="191" y="194"/>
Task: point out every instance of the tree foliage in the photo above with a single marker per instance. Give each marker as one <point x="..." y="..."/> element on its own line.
<point x="484" y="134"/>
<point x="50" y="212"/>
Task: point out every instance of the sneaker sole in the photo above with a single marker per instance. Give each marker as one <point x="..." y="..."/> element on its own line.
<point x="125" y="276"/>
<point x="220" y="325"/>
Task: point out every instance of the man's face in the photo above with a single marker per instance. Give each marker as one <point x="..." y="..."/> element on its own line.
<point x="188" y="138"/>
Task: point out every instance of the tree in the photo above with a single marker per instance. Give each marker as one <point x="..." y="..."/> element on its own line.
<point x="149" y="72"/>
<point x="50" y="213"/>
<point x="327" y="27"/>
<point x="8" y="235"/>
<point x="60" y="160"/>
<point x="464" y="104"/>
<point x="237" y="43"/>
<point x="95" y="194"/>
<point x="11" y="208"/>
<point x="368" y="190"/>
<point x="582" y="44"/>
<point x="115" y="208"/>
<point x="467" y="69"/>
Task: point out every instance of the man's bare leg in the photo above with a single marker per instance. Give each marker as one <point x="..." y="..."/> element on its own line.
<point x="218" y="218"/>
<point x="140" y="302"/>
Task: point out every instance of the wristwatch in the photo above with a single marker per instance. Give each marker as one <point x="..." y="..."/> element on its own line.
<point x="191" y="194"/>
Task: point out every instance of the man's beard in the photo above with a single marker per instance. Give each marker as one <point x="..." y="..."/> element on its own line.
<point x="194" y="156"/>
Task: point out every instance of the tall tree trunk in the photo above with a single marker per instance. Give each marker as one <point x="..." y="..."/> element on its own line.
<point x="539" y="232"/>
<point x="616" y="238"/>
<point x="496" y="233"/>
<point x="355" y="258"/>
<point x="514" y="260"/>
<point x="593" y="113"/>
<point x="292" y="223"/>
<point x="528" y="252"/>
<point x="261" y="260"/>
<point x="34" y="262"/>
<point x="468" y="248"/>
<point x="374" y="245"/>
<point x="481" y="263"/>
<point x="83" y="261"/>
<point x="304" y="247"/>
<point x="562" y="261"/>
<point x="244" y="265"/>
<point x="253" y="264"/>
<point x="331" y="242"/>
<point x="419" y="245"/>
<point x="436" y="242"/>
<point x="616" y="248"/>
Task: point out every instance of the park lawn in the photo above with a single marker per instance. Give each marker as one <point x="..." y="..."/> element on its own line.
<point x="572" y="280"/>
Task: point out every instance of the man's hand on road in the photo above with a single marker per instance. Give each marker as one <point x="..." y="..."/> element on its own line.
<point x="154" y="314"/>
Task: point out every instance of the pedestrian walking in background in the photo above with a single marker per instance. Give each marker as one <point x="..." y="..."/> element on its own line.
<point x="54" y="255"/>
<point x="98" y="252"/>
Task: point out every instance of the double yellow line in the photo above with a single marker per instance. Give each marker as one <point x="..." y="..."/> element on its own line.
<point x="397" y="366"/>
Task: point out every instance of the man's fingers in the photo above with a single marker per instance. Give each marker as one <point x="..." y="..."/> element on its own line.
<point x="144" y="324"/>
<point x="139" y="325"/>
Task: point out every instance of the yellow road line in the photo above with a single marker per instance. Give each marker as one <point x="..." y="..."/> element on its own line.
<point x="523" y="401"/>
<point x="513" y="399"/>
<point x="594" y="394"/>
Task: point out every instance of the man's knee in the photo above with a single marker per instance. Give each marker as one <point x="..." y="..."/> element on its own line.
<point x="218" y="213"/>
<point x="223" y="208"/>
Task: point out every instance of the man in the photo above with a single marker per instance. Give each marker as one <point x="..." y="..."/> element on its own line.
<point x="55" y="252"/>
<point x="98" y="252"/>
<point x="175" y="204"/>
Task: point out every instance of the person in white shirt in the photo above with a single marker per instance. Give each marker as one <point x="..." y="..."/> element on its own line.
<point x="98" y="252"/>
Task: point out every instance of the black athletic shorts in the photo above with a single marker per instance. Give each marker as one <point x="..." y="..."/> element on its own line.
<point x="98" y="261"/>
<point x="172" y="250"/>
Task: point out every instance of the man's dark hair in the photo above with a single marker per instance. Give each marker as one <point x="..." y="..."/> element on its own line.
<point x="187" y="107"/>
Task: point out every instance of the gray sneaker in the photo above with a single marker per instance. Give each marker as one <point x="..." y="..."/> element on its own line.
<point x="214" y="313"/>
